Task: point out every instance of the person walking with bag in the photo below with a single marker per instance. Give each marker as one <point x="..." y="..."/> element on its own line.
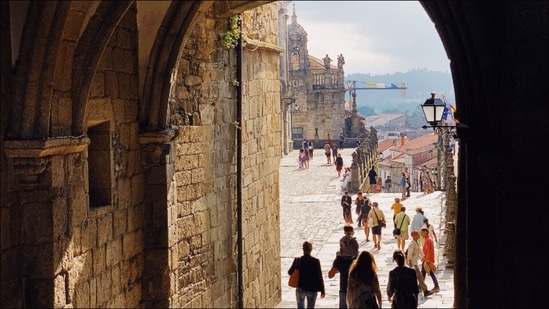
<point x="402" y="221"/>
<point x="378" y="222"/>
<point x="310" y="278"/>
<point x="402" y="290"/>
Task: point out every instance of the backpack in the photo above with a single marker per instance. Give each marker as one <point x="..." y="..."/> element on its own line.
<point x="348" y="246"/>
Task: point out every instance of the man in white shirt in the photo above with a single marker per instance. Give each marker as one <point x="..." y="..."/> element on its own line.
<point x="413" y="254"/>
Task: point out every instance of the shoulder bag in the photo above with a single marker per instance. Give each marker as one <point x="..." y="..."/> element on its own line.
<point x="396" y="231"/>
<point x="294" y="277"/>
<point x="380" y="222"/>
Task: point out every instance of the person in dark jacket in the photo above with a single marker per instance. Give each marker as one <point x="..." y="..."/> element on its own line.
<point x="402" y="289"/>
<point x="310" y="278"/>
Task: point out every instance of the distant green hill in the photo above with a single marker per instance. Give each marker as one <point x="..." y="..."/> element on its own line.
<point x="421" y="82"/>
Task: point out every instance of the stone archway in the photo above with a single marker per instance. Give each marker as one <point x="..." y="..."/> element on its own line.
<point x="499" y="63"/>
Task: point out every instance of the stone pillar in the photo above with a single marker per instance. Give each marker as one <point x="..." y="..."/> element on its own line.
<point x="157" y="150"/>
<point x="451" y="208"/>
<point x="43" y="175"/>
<point x="354" y="184"/>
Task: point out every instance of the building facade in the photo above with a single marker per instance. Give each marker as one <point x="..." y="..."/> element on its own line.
<point x="318" y="89"/>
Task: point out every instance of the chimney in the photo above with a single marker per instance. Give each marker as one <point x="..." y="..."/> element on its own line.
<point x="401" y="139"/>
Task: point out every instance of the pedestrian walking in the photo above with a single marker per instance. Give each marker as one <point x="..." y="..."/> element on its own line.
<point x="430" y="228"/>
<point x="348" y="245"/>
<point x="341" y="265"/>
<point x="417" y="223"/>
<point x="305" y="144"/>
<point x="408" y="184"/>
<point x="402" y="290"/>
<point x="363" y="289"/>
<point x="364" y="211"/>
<point x="311" y="148"/>
<point x="328" y="153"/>
<point x="346" y="202"/>
<point x="402" y="183"/>
<point x="301" y="157"/>
<point x="359" y="201"/>
<point x="413" y="254"/>
<point x="334" y="153"/>
<point x="429" y="259"/>
<point x="388" y="184"/>
<point x="372" y="180"/>
<point x="348" y="251"/>
<point x="310" y="278"/>
<point x="379" y="184"/>
<point x="306" y="158"/>
<point x="339" y="164"/>
<point x="376" y="216"/>
<point x="341" y="139"/>
<point x="402" y="221"/>
<point x="396" y="208"/>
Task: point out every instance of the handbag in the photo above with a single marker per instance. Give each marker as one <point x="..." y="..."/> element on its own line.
<point x="382" y="222"/>
<point x="294" y="277"/>
<point x="396" y="230"/>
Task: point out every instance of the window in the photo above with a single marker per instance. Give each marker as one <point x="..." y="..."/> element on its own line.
<point x="100" y="165"/>
<point x="297" y="133"/>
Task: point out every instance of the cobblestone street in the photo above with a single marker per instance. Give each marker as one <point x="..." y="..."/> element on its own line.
<point x="310" y="210"/>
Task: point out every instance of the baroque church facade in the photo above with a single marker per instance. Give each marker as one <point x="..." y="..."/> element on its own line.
<point x="317" y="85"/>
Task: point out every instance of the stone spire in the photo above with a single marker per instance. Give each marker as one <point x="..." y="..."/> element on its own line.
<point x="294" y="16"/>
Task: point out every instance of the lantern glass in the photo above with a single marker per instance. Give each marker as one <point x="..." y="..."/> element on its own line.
<point x="433" y="110"/>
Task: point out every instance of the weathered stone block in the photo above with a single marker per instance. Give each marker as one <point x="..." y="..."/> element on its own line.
<point x="37" y="223"/>
<point x="104" y="229"/>
<point x="114" y="252"/>
<point x="99" y="260"/>
<point x="82" y="295"/>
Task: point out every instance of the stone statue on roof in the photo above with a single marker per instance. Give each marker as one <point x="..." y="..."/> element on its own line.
<point x="327" y="61"/>
<point x="340" y="61"/>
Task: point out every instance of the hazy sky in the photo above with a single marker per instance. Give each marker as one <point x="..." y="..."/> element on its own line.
<point x="375" y="37"/>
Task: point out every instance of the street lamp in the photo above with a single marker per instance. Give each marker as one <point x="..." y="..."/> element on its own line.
<point x="433" y="109"/>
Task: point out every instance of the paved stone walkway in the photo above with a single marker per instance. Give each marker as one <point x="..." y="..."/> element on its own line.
<point x="310" y="210"/>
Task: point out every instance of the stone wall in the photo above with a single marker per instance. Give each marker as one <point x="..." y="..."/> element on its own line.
<point x="108" y="239"/>
<point x="126" y="216"/>
<point x="203" y="198"/>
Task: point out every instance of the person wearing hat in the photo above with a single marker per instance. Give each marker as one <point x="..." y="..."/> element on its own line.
<point x="428" y="259"/>
<point x="417" y="220"/>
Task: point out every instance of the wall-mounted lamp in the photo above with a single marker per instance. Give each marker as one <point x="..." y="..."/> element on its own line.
<point x="433" y="110"/>
<point x="296" y="107"/>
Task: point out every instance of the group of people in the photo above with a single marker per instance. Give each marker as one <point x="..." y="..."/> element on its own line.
<point x="305" y="153"/>
<point x="359" y="283"/>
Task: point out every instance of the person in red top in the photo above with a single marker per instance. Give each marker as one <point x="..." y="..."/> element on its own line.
<point x="429" y="255"/>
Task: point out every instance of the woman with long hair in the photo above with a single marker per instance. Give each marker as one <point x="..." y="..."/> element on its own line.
<point x="363" y="286"/>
